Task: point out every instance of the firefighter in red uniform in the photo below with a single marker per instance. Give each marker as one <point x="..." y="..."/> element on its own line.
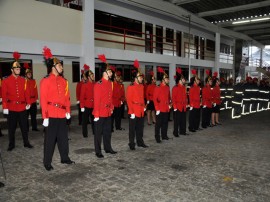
<point x="118" y="101"/>
<point x="136" y="108"/>
<point x="179" y="101"/>
<point x="122" y="87"/>
<point x="103" y="109"/>
<point x="87" y="100"/>
<point x="194" y="102"/>
<point x="1" y="103"/>
<point x="149" y="98"/>
<point x="216" y="100"/>
<point x="55" y="104"/>
<point x="32" y="85"/>
<point x="78" y="95"/>
<point x="162" y="104"/>
<point x="207" y="101"/>
<point x="15" y="101"/>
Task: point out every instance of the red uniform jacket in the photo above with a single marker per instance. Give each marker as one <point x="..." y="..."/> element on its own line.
<point x="15" y="94"/>
<point x="54" y="97"/>
<point x="216" y="95"/>
<point x="78" y="90"/>
<point x="32" y="85"/>
<point x="135" y="99"/>
<point x="87" y="95"/>
<point x="194" y="96"/>
<point x="179" y="97"/>
<point x="123" y="97"/>
<point x="207" y="96"/>
<point x="162" y="98"/>
<point x="117" y="94"/>
<point x="103" y="105"/>
<point x="150" y="91"/>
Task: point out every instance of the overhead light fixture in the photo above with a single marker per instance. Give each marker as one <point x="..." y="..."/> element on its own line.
<point x="240" y="22"/>
<point x="260" y="19"/>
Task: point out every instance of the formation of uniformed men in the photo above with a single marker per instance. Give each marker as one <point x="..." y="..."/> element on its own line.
<point x="101" y="104"/>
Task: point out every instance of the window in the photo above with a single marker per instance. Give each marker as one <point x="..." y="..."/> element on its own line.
<point x="169" y="35"/>
<point x="224" y="48"/>
<point x="76" y="77"/>
<point x="115" y="23"/>
<point x="210" y="45"/>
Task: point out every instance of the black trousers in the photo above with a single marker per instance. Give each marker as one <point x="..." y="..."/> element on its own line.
<point x="136" y="126"/>
<point x="56" y="132"/>
<point x="194" y="119"/>
<point x="179" y="123"/>
<point x="14" y="117"/>
<point x="123" y="110"/>
<point x="86" y="116"/>
<point x="161" y="125"/>
<point x="33" y="113"/>
<point x="116" y="117"/>
<point x="79" y="114"/>
<point x="103" y="129"/>
<point x="206" y="116"/>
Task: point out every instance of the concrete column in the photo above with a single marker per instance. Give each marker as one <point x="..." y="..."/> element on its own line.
<point x="172" y="70"/>
<point x="217" y="53"/>
<point x="88" y="35"/>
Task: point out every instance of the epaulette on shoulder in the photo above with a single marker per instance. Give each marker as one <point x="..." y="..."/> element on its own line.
<point x="46" y="76"/>
<point x="99" y="82"/>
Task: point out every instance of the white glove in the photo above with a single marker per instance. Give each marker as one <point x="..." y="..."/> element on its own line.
<point x="27" y="107"/>
<point x="68" y="115"/>
<point x="82" y="109"/>
<point x="5" y="111"/>
<point x="45" y="122"/>
<point x="96" y="119"/>
<point x="144" y="109"/>
<point x="204" y="106"/>
<point x="78" y="102"/>
<point x="170" y="106"/>
<point x="121" y="102"/>
<point x="158" y="112"/>
<point x="132" y="116"/>
<point x="37" y="102"/>
<point x="214" y="104"/>
<point x="147" y="101"/>
<point x="175" y="110"/>
<point x="0" y="99"/>
<point x="190" y="108"/>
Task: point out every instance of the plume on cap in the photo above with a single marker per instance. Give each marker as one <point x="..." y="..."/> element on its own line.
<point x="26" y="65"/>
<point x="215" y="74"/>
<point x="136" y="72"/>
<point x="16" y="55"/>
<point x="102" y="57"/>
<point x="193" y="71"/>
<point x="113" y="68"/>
<point x="50" y="60"/>
<point x="207" y="71"/>
<point x="151" y="73"/>
<point x="118" y="73"/>
<point x="86" y="67"/>
<point x="179" y="70"/>
<point x="161" y="70"/>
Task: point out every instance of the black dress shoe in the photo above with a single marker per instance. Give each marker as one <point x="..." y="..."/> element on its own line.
<point x="35" y="129"/>
<point x="199" y="129"/>
<point x="204" y="126"/>
<point x="158" y="141"/>
<point x="111" y="152"/>
<point x="184" y="134"/>
<point x="85" y="136"/>
<point x="192" y="130"/>
<point x="10" y="148"/>
<point x="28" y="146"/>
<point x="165" y="138"/>
<point x="143" y="145"/>
<point x="132" y="148"/>
<point x="99" y="155"/>
<point x="68" y="162"/>
<point x="218" y="123"/>
<point x="120" y="129"/>
<point x="176" y="135"/>
<point x="48" y="167"/>
<point x="2" y="184"/>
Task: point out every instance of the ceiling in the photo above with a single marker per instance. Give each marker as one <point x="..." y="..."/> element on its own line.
<point x="249" y="17"/>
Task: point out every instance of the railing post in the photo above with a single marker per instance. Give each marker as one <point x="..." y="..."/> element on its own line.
<point x="124" y="39"/>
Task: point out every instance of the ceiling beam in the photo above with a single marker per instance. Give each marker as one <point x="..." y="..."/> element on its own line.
<point x="235" y="8"/>
<point x="256" y="32"/>
<point x="252" y="26"/>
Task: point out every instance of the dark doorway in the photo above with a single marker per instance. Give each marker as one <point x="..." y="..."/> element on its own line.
<point x="178" y="43"/>
<point x="159" y="39"/>
<point x="148" y="38"/>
